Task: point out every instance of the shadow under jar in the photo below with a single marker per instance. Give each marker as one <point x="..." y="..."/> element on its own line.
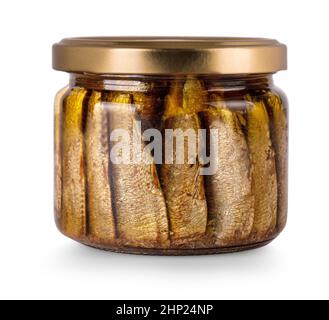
<point x="171" y="146"/>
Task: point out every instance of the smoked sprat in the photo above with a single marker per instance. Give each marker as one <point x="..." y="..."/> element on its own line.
<point x="171" y="206"/>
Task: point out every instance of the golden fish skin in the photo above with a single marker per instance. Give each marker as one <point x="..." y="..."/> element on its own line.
<point x="147" y="104"/>
<point x="264" y="180"/>
<point x="194" y="96"/>
<point x="101" y="219"/>
<point x="73" y="166"/>
<point x="140" y="210"/>
<point x="58" y="152"/>
<point x="182" y="184"/>
<point x="279" y="135"/>
<point x="149" y="109"/>
<point x="231" y="203"/>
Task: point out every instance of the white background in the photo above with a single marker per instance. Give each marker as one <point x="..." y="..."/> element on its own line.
<point x="36" y="261"/>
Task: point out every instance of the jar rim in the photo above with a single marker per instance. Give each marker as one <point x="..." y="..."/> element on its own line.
<point x="169" y="55"/>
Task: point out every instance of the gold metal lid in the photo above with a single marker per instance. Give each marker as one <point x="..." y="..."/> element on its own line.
<point x="183" y="55"/>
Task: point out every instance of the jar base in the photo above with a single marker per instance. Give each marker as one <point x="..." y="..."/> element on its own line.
<point x="181" y="252"/>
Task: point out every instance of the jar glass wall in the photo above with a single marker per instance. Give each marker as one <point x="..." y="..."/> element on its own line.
<point x="171" y="164"/>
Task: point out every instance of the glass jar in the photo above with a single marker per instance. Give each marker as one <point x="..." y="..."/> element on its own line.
<point x="171" y="146"/>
